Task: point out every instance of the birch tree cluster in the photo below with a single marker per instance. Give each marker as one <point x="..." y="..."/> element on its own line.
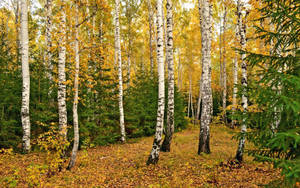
<point x="104" y="72"/>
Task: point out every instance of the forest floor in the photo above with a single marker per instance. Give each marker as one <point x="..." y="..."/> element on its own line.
<point x="124" y="165"/>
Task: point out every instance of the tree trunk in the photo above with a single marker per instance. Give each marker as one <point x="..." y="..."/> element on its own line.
<point x="49" y="42"/>
<point x="224" y="98"/>
<point x="170" y="113"/>
<point x="17" y="24"/>
<point x="191" y="98"/>
<point x="221" y="67"/>
<point x="235" y="81"/>
<point x="165" y="39"/>
<point x="118" y="60"/>
<point x="206" y="114"/>
<point x="154" y="155"/>
<point x="199" y="100"/>
<point x="25" y="75"/>
<point x="150" y="14"/>
<point x="242" y="34"/>
<point x="75" y="101"/>
<point x="61" y="93"/>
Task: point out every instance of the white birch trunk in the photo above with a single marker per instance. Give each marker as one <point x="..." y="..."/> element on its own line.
<point x="25" y="76"/>
<point x="154" y="155"/>
<point x="49" y="42"/>
<point x="206" y="113"/>
<point x="75" y="101"/>
<point x="170" y="113"/>
<point x="242" y="34"/>
<point x="61" y="93"/>
<point x="118" y="60"/>
<point x="235" y="90"/>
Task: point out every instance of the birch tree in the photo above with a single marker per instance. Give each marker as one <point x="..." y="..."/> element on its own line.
<point x="75" y="101"/>
<point x="169" y="52"/>
<point x="242" y="35"/>
<point x="25" y="76"/>
<point x="154" y="155"/>
<point x="235" y="82"/>
<point x="206" y="114"/>
<point x="49" y="40"/>
<point x="118" y="60"/>
<point x="61" y="93"/>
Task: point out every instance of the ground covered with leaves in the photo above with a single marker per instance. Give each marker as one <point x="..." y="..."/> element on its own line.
<point x="124" y="165"/>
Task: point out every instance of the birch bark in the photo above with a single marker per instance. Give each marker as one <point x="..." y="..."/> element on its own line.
<point x="75" y="101"/>
<point x="206" y="114"/>
<point x="170" y="111"/>
<point x="154" y="155"/>
<point x="242" y="34"/>
<point x="49" y="42"/>
<point x="61" y="93"/>
<point x="118" y="60"/>
<point x="25" y="118"/>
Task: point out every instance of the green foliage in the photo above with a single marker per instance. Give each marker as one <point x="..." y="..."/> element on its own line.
<point x="141" y="107"/>
<point x="275" y="123"/>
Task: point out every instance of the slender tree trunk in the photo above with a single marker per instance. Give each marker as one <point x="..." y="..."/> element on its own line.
<point x="165" y="39"/>
<point x="150" y="15"/>
<point x="25" y="75"/>
<point x="206" y="114"/>
<point x="49" y="42"/>
<point x="170" y="113"/>
<point x="75" y="101"/>
<point x="199" y="100"/>
<point x="17" y="24"/>
<point x="242" y="34"/>
<point x="118" y="60"/>
<point x="235" y="81"/>
<point x="191" y="98"/>
<point x="154" y="155"/>
<point x="200" y="84"/>
<point x="224" y="99"/>
<point x="61" y="93"/>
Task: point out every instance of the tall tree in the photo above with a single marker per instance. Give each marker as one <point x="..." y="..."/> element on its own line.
<point x="242" y="35"/>
<point x="75" y="101"/>
<point x="61" y="92"/>
<point x="170" y="111"/>
<point x="206" y="114"/>
<point x="118" y="60"/>
<point x="25" y="75"/>
<point x="235" y="81"/>
<point x="154" y="155"/>
<point x="224" y="97"/>
<point x="48" y="40"/>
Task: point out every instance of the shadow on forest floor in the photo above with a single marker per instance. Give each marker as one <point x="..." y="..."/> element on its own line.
<point x="124" y="165"/>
